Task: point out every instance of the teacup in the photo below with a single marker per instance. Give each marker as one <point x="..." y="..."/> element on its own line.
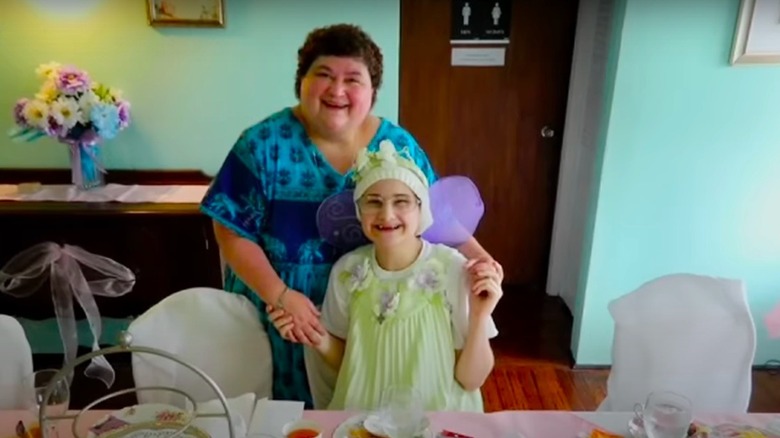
<point x="302" y="429"/>
<point x="664" y="414"/>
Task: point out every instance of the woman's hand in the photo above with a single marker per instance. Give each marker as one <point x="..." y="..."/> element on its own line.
<point x="298" y="319"/>
<point x="483" y="264"/>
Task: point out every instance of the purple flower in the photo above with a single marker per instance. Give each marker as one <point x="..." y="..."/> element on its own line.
<point x="385" y="300"/>
<point x="71" y="80"/>
<point x="124" y="113"/>
<point x="19" y="112"/>
<point x="358" y="275"/>
<point x="54" y="129"/>
<point x="427" y="280"/>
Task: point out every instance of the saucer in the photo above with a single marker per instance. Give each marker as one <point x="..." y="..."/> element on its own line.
<point x="375" y="424"/>
<point x="636" y="429"/>
<point x="354" y="427"/>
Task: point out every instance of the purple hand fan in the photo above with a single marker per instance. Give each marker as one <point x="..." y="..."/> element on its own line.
<point x="457" y="209"/>
<point x="338" y="224"/>
<point x="456" y="206"/>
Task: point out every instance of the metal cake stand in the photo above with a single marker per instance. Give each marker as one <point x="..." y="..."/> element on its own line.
<point x="125" y="341"/>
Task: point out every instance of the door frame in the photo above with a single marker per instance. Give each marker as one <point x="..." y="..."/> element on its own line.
<point x="596" y="40"/>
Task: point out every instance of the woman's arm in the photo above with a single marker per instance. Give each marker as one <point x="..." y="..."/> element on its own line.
<point x="251" y="264"/>
<point x="472" y="249"/>
<point x="475" y="362"/>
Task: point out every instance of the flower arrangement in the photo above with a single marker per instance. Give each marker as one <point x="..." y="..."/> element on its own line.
<point x="75" y="110"/>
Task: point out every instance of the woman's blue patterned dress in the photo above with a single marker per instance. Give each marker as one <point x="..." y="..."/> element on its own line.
<point x="268" y="190"/>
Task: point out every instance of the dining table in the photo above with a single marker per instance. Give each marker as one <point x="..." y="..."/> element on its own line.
<point x="501" y="424"/>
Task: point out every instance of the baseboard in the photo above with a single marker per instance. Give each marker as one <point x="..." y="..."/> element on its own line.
<point x="591" y="367"/>
<point x="772" y="367"/>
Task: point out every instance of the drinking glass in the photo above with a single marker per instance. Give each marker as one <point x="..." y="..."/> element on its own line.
<point x="403" y="411"/>
<point x="666" y="414"/>
<point x="59" y="399"/>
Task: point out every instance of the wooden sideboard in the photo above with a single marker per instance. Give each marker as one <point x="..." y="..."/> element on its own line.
<point x="169" y="247"/>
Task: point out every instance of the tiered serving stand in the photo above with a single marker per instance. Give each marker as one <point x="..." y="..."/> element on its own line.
<point x="125" y="346"/>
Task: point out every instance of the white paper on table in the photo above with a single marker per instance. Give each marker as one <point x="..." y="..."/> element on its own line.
<point x="241" y="408"/>
<point x="270" y="416"/>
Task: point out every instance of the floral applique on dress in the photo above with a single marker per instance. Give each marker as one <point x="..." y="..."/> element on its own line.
<point x="428" y="279"/>
<point x="358" y="276"/>
<point x="387" y="305"/>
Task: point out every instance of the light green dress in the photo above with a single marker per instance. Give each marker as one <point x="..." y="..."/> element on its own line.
<point x="401" y="328"/>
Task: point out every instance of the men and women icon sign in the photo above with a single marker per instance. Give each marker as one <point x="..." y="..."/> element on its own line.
<point x="495" y="13"/>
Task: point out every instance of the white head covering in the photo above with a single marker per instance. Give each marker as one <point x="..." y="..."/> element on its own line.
<point x="387" y="163"/>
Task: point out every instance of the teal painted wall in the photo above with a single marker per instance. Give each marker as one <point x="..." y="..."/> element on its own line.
<point x="192" y="90"/>
<point x="689" y="178"/>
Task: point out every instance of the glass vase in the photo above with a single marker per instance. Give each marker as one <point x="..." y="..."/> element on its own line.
<point x="86" y="167"/>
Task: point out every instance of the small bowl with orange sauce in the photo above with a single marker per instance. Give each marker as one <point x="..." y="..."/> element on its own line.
<point x="302" y="429"/>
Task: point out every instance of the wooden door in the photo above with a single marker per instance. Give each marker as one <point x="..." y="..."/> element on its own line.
<point x="487" y="122"/>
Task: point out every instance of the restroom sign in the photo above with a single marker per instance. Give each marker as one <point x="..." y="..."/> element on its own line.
<point x="481" y="21"/>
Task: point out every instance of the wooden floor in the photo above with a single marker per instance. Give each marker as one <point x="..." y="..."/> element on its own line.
<point x="534" y="364"/>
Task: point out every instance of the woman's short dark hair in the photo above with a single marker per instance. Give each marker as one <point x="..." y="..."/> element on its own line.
<point x="345" y="40"/>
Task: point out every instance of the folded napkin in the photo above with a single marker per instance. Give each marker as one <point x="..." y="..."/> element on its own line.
<point x="241" y="408"/>
<point x="270" y="416"/>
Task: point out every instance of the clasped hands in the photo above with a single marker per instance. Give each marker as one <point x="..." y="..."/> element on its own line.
<point x="298" y="320"/>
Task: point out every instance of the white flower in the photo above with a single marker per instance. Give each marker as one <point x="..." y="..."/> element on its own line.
<point x="66" y="112"/>
<point x="86" y="102"/>
<point x="387" y="151"/>
<point x="362" y="160"/>
<point x="37" y="113"/>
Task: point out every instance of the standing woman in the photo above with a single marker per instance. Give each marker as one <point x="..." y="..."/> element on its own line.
<point x="264" y="199"/>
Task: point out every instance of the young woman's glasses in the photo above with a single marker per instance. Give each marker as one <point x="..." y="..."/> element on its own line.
<point x="372" y="205"/>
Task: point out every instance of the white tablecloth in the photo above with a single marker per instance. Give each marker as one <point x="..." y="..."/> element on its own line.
<point x="109" y="193"/>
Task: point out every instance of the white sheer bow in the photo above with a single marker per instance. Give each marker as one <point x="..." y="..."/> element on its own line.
<point x="27" y="271"/>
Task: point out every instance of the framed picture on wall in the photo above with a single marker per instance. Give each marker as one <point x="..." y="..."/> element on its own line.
<point x="757" y="36"/>
<point x="186" y="13"/>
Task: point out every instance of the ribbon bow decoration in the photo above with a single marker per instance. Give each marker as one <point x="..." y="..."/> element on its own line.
<point x="27" y="271"/>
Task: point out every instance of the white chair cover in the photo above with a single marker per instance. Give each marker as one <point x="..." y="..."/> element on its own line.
<point x="690" y="334"/>
<point x="16" y="364"/>
<point x="217" y="331"/>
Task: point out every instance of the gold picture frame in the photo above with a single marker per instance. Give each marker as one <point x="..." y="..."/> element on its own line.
<point x="186" y="13"/>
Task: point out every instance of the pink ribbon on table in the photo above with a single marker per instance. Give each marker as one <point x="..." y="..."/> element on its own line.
<point x="27" y="271"/>
<point x="772" y="321"/>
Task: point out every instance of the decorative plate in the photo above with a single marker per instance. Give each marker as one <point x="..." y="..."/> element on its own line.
<point x="353" y="428"/>
<point x="145" y="421"/>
